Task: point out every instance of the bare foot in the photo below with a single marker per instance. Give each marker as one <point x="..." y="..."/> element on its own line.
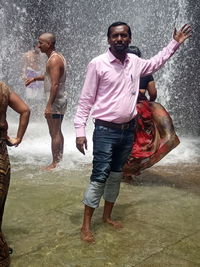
<point x="116" y="225"/>
<point x="50" y="167"/>
<point x="87" y="236"/>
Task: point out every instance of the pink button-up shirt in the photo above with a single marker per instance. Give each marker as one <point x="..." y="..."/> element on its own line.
<point x="111" y="88"/>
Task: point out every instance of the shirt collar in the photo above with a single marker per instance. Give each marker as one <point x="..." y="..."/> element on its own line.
<point x="112" y="58"/>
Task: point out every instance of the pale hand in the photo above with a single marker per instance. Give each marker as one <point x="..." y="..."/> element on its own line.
<point x="184" y="33"/>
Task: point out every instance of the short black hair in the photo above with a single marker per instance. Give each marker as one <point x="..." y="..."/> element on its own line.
<point x="118" y="23"/>
<point x="134" y="50"/>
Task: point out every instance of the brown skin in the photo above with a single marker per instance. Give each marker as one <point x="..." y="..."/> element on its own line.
<point x="118" y="40"/>
<point x="18" y="105"/>
<point x="152" y="91"/>
<point x="55" y="68"/>
<point x="81" y="143"/>
<point x="183" y="34"/>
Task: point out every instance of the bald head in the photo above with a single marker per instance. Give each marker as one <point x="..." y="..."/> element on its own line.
<point x="49" y="38"/>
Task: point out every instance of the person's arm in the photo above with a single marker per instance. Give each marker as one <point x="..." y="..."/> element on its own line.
<point x="85" y="104"/>
<point x="147" y="67"/>
<point x="152" y="91"/>
<point x="31" y="80"/>
<point x="55" y="69"/>
<point x="18" y="105"/>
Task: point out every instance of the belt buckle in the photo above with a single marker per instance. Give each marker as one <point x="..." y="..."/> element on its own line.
<point x="125" y="126"/>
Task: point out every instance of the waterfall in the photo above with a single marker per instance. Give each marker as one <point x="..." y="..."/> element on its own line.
<point x="80" y="27"/>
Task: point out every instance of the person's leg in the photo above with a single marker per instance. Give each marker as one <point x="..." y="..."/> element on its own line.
<point x="110" y="195"/>
<point x="104" y="140"/>
<point x="91" y="200"/>
<point x="4" y="186"/>
<point x="57" y="139"/>
<point x="112" y="187"/>
<point x="86" y="234"/>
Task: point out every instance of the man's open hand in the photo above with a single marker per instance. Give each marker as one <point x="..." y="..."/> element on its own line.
<point x="184" y="33"/>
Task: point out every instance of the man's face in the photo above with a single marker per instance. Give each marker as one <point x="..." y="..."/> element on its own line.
<point x="43" y="45"/>
<point x="119" y="39"/>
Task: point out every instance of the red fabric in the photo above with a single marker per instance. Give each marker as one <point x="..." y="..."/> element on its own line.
<point x="144" y="145"/>
<point x="154" y="138"/>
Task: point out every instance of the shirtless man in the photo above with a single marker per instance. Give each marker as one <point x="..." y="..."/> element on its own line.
<point x="54" y="87"/>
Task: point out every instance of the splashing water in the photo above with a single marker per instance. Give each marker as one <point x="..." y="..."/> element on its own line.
<point x="44" y="210"/>
<point x="80" y="38"/>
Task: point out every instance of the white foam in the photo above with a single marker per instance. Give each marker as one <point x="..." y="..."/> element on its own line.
<point x="36" y="147"/>
<point x="188" y="151"/>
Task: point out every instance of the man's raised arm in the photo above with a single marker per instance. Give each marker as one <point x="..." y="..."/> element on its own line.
<point x="153" y="64"/>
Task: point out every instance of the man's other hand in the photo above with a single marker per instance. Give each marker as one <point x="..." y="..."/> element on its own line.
<point x="81" y="143"/>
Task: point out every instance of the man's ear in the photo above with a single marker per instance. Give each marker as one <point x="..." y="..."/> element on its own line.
<point x="49" y="44"/>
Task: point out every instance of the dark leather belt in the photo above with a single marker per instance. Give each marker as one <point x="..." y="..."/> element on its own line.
<point x="122" y="126"/>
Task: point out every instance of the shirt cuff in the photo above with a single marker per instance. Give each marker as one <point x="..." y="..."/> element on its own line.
<point x="174" y="45"/>
<point x="80" y="132"/>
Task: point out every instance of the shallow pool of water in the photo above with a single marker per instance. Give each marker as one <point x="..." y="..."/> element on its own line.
<point x="159" y="210"/>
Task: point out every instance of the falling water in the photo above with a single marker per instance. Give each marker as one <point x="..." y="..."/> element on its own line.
<point x="43" y="213"/>
<point x="80" y="28"/>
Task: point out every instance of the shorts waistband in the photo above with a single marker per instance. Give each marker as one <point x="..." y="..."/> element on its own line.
<point x="57" y="116"/>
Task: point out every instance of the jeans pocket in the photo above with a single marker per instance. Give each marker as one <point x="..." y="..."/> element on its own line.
<point x="99" y="130"/>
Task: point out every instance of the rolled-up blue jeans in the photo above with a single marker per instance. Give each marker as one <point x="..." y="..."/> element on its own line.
<point x="111" y="148"/>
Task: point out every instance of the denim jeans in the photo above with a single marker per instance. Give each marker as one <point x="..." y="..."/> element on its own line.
<point x="111" y="148"/>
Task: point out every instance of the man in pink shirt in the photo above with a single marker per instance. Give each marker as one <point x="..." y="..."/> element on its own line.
<point x="109" y="95"/>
